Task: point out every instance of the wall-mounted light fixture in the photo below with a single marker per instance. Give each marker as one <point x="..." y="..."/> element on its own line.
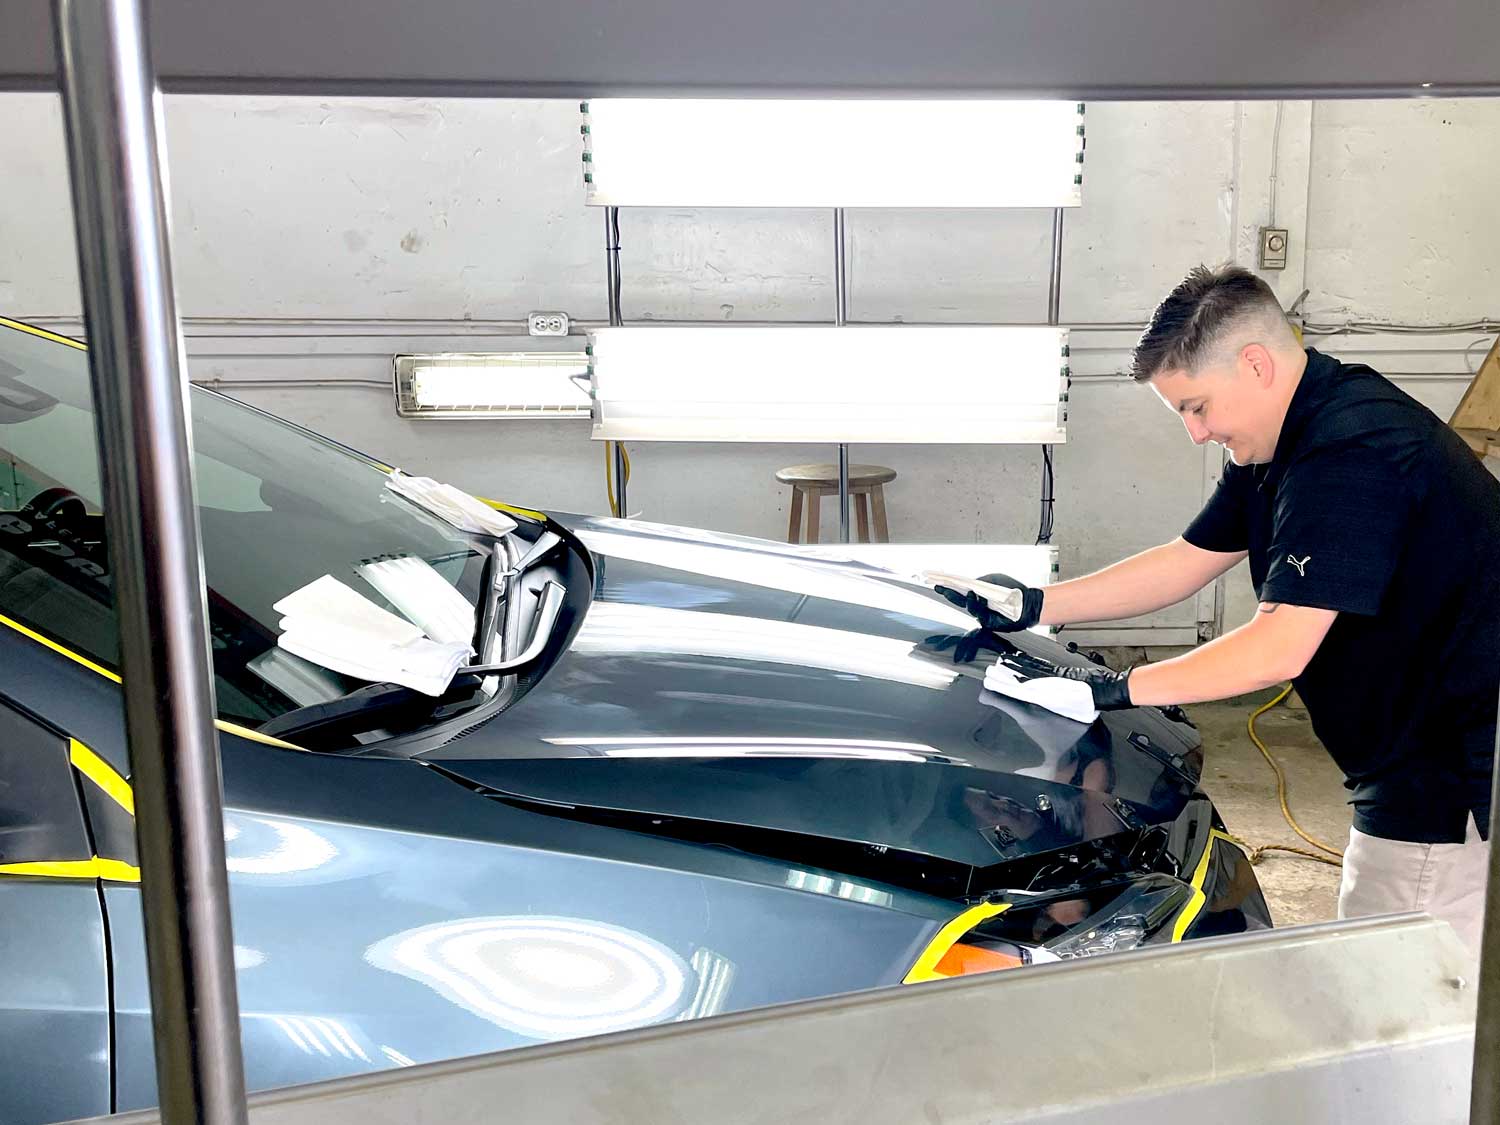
<point x="794" y="153"/>
<point x="517" y="384"/>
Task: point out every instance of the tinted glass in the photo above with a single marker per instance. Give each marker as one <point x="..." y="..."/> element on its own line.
<point x="278" y="508"/>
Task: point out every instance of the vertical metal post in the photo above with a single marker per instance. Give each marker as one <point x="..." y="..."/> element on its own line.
<point x="1054" y="284"/>
<point x="1484" y="1095"/>
<point x="840" y="317"/>
<point x="612" y="271"/>
<point x="113" y="122"/>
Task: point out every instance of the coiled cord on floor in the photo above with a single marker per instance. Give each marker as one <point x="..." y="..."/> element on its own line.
<point x="1328" y="854"/>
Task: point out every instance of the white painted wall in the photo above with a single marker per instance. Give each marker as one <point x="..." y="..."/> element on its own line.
<point x="314" y="238"/>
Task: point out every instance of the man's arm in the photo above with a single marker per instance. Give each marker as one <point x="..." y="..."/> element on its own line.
<point x="1273" y="647"/>
<point x="1143" y="583"/>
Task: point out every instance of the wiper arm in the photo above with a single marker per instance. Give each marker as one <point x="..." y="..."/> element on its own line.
<point x="552" y="595"/>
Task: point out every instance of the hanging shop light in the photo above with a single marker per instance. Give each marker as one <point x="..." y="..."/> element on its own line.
<point x="785" y="153"/>
<point x="877" y="383"/>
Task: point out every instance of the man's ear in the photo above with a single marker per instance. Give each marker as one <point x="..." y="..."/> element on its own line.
<point x="1258" y="360"/>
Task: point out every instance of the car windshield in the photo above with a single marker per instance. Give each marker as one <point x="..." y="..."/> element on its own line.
<point x="278" y="508"/>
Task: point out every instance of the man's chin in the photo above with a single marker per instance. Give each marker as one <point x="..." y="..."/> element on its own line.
<point x="1240" y="458"/>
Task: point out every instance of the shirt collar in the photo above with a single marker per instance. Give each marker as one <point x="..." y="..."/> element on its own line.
<point x="1315" y="378"/>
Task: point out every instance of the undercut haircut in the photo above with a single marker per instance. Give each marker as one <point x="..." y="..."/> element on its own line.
<point x="1197" y="316"/>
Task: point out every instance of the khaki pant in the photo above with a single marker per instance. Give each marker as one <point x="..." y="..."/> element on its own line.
<point x="1392" y="876"/>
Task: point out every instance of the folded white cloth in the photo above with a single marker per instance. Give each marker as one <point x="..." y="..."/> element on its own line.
<point x="335" y="627"/>
<point x="423" y="596"/>
<point x="1071" y="699"/>
<point x="465" y="512"/>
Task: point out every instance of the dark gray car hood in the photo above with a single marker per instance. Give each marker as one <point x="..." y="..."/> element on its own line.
<point x="735" y="681"/>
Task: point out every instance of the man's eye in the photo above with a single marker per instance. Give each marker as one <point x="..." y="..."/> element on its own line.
<point x="1198" y="410"/>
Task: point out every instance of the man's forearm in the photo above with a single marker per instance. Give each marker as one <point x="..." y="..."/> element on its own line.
<point x="1269" y="650"/>
<point x="1143" y="583"/>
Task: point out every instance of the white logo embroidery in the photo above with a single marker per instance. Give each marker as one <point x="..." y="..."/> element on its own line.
<point x="1300" y="564"/>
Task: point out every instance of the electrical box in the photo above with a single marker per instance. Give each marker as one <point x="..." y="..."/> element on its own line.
<point x="547" y="324"/>
<point x="1273" y="242"/>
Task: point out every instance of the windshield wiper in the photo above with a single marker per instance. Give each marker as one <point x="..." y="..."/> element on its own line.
<point x="364" y="709"/>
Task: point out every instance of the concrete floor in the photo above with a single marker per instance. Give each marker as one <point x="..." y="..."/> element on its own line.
<point x="1243" y="788"/>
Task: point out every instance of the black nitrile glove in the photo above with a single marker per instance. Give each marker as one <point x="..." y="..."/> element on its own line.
<point x="976" y="606"/>
<point x="1110" y="689"/>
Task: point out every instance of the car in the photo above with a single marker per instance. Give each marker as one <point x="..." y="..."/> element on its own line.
<point x="720" y="773"/>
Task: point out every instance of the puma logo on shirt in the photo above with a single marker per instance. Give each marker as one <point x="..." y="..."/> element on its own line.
<point x="1300" y="564"/>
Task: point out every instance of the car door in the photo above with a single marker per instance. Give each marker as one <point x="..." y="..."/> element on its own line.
<point x="54" y="971"/>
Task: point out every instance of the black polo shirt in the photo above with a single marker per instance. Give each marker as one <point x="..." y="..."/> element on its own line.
<point x="1373" y="507"/>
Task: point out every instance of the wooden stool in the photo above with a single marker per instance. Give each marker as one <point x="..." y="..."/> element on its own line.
<point x="866" y="492"/>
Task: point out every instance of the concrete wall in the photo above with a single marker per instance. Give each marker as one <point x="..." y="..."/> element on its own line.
<point x="314" y="238"/>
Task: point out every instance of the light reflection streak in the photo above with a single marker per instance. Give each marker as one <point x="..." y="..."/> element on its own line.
<point x="293" y="847"/>
<point x="615" y="627"/>
<point x="650" y="746"/>
<point x="544" y="977"/>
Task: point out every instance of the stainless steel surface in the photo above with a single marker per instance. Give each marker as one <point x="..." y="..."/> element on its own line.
<point x="1484" y="1106"/>
<point x="113" y="126"/>
<point x="841" y="317"/>
<point x="1066" y="48"/>
<point x="1058" y="1043"/>
<point x="612" y="274"/>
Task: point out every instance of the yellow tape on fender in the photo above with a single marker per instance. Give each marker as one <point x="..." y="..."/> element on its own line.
<point x="947" y="938"/>
<point x="116" y="871"/>
<point x="102" y="774"/>
<point x="1195" y="904"/>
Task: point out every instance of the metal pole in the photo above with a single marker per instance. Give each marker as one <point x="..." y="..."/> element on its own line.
<point x="612" y="270"/>
<point x="840" y="317"/>
<point x="1484" y="1095"/>
<point x="113" y="126"/>
<point x="1054" y="284"/>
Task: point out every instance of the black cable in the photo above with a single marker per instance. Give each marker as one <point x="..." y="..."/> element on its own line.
<point x="1049" y="480"/>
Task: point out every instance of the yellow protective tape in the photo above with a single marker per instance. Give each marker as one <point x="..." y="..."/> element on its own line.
<point x="253" y="735"/>
<point x="115" y="870"/>
<point x="1195" y="904"/>
<point x="102" y="774"/>
<point x="43" y="333"/>
<point x="500" y="506"/>
<point x="947" y="938"/>
<point x="62" y="650"/>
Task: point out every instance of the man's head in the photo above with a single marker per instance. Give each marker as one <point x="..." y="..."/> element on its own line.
<point x="1219" y="351"/>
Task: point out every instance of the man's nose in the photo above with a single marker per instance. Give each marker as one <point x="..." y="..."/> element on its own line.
<point x="1196" y="429"/>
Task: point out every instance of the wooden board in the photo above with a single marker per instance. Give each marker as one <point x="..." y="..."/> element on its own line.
<point x="1477" y="417"/>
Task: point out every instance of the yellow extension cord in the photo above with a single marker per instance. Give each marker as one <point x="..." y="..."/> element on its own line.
<point x="1334" y="856"/>
<point x="609" y="475"/>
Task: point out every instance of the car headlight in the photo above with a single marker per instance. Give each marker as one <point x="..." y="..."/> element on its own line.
<point x="1144" y="914"/>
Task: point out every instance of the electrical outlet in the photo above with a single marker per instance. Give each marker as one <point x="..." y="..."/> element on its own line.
<point x="1273" y="242"/>
<point x="547" y="324"/>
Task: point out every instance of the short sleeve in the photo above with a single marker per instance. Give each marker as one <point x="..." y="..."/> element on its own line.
<point x="1224" y="523"/>
<point x="1337" y="531"/>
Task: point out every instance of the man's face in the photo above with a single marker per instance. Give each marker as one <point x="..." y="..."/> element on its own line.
<point x="1228" y="404"/>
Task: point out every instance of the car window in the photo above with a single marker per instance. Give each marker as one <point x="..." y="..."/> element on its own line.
<point x="277" y="507"/>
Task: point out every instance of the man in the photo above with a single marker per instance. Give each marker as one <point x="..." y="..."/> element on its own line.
<point x="1373" y="536"/>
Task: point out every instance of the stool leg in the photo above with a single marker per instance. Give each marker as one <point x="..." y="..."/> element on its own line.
<point x="794" y="523"/>
<point x="862" y="515"/>
<point x="813" y="515"/>
<point x="877" y="499"/>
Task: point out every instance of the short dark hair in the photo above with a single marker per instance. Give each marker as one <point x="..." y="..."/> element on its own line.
<point x="1191" y="318"/>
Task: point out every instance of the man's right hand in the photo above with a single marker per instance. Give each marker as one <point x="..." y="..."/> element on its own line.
<point x="991" y="618"/>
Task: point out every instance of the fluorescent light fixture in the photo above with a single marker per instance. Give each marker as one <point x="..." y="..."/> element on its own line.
<point x="519" y="384"/>
<point x="798" y="153"/>
<point x="880" y="383"/>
